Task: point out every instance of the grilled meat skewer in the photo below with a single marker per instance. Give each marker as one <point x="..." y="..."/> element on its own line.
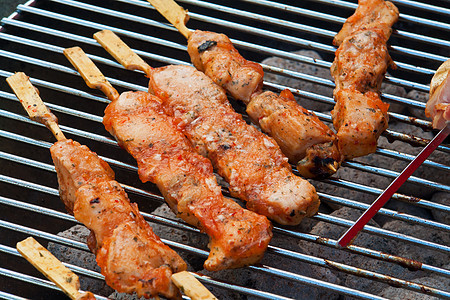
<point x="131" y="257"/>
<point x="251" y="162"/>
<point x="215" y="55"/>
<point x="238" y="237"/>
<point x="361" y="61"/>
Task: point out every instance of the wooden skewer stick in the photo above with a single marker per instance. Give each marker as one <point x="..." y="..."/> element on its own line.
<point x="174" y="13"/>
<point x="121" y="52"/>
<point x="187" y="283"/>
<point x="36" y="109"/>
<point x="190" y="286"/>
<point x="52" y="268"/>
<point x="90" y="73"/>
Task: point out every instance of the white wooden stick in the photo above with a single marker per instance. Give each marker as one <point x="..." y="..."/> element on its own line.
<point x="174" y="13"/>
<point x="190" y="286"/>
<point x="52" y="268"/>
<point x="36" y="109"/>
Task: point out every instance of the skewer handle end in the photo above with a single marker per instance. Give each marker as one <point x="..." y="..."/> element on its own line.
<point x="51" y="267"/>
<point x="33" y="104"/>
<point x="191" y="287"/>
<point x="174" y="13"/>
<point x="89" y="71"/>
<point x="121" y="52"/>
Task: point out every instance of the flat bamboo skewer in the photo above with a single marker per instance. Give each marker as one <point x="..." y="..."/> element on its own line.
<point x="32" y="103"/>
<point x="184" y="280"/>
<point x="174" y="13"/>
<point x="52" y="268"/>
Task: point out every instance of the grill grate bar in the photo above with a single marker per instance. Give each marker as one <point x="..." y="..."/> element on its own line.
<point x="64" y="17"/>
<point x="263" y="269"/>
<point x="246" y="29"/>
<point x="371" y="169"/>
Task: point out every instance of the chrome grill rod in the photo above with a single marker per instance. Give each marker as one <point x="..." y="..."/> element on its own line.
<point x="276" y="250"/>
<point x="374" y="170"/>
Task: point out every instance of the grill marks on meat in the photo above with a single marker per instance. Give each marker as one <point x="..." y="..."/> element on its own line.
<point x="251" y="162"/>
<point x="358" y="70"/>
<point x="215" y="55"/>
<point x="302" y="137"/>
<point x="238" y="237"/>
<point x="131" y="257"/>
<point x="286" y="121"/>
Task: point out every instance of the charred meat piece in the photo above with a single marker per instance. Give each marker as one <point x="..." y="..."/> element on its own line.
<point x="165" y="157"/>
<point x="215" y="55"/>
<point x="300" y="134"/>
<point x="131" y="257"/>
<point x="251" y="162"/>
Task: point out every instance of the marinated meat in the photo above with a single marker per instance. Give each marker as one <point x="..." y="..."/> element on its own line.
<point x="438" y="105"/>
<point x="251" y="162"/>
<point x="215" y="55"/>
<point x="302" y="137"/>
<point x="131" y="257"/>
<point x="358" y="70"/>
<point x="238" y="236"/>
<point x="370" y="14"/>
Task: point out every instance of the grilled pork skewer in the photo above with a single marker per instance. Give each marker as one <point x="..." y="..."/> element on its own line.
<point x="52" y="268"/>
<point x="361" y="61"/>
<point x="251" y="162"/>
<point x="238" y="237"/>
<point x="438" y="105"/>
<point x="302" y="137"/>
<point x="131" y="257"/>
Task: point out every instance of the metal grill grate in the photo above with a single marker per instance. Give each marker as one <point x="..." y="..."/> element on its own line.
<point x="32" y="41"/>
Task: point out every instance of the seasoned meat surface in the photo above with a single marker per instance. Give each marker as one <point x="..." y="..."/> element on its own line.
<point x="302" y="137"/>
<point x="370" y="14"/>
<point x="251" y="162"/>
<point x="131" y="257"/>
<point x="358" y="69"/>
<point x="360" y="119"/>
<point x="438" y="105"/>
<point x="215" y="55"/>
<point x="239" y="237"/>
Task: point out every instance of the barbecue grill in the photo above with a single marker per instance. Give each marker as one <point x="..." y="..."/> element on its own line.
<point x="32" y="40"/>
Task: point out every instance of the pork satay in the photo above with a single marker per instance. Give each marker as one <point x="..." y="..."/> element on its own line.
<point x="369" y="14"/>
<point x="302" y="137"/>
<point x="438" y="105"/>
<point x="215" y="55"/>
<point x="250" y="161"/>
<point x="360" y="64"/>
<point x="238" y="237"/>
<point x="131" y="257"/>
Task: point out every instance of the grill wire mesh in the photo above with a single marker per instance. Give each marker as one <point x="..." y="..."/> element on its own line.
<point x="294" y="40"/>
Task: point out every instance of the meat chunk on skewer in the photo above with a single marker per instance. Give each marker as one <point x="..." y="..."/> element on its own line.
<point x="370" y="14"/>
<point x="359" y="67"/>
<point x="131" y="257"/>
<point x="251" y="162"/>
<point x="438" y="106"/>
<point x="239" y="237"/>
<point x="215" y="55"/>
<point x="299" y="133"/>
